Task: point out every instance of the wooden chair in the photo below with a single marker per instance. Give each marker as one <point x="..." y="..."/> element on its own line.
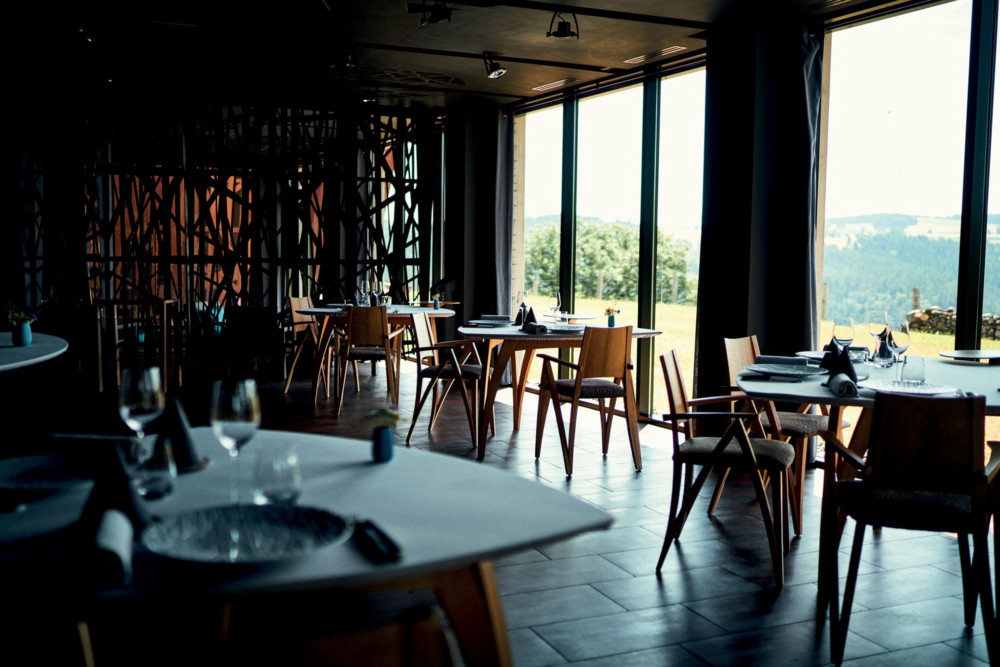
<point x="367" y="337"/>
<point x="924" y="471"/>
<point x="734" y="450"/>
<point x="605" y="353"/>
<point x="305" y="330"/>
<point x="794" y="427"/>
<point x="438" y="362"/>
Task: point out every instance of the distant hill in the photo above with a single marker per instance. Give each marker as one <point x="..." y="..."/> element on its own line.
<point x="531" y="222"/>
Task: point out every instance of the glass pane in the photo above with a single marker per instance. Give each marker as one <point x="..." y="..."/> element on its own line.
<point x="542" y="192"/>
<point x="991" y="291"/>
<point x="607" y="201"/>
<point x="682" y="151"/>
<point x="894" y="172"/>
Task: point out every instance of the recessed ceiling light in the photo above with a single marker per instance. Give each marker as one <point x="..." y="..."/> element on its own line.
<point x="655" y="54"/>
<point x="553" y="84"/>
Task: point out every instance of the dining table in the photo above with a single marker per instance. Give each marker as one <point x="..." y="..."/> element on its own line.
<point x="449" y="517"/>
<point x="511" y="339"/>
<point x="43" y="347"/>
<point x="943" y="377"/>
<point x="333" y="315"/>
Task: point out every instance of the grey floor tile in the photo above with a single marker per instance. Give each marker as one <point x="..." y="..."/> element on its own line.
<point x="762" y="609"/>
<point x="603" y="542"/>
<point x="527" y="649"/>
<point x="925" y="656"/>
<point x="556" y="574"/>
<point x="561" y="604"/>
<point x="674" y="587"/>
<point x="915" y="624"/>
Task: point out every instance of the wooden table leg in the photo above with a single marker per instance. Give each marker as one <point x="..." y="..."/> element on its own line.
<point x="325" y="332"/>
<point x="471" y="600"/>
<point x="519" y="384"/>
<point x="490" y="395"/>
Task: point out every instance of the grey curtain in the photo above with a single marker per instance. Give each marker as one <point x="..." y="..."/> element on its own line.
<point x="758" y="263"/>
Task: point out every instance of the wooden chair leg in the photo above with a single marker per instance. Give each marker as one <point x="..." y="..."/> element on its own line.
<point x="675" y="523"/>
<point x="420" y="404"/>
<point x="838" y="630"/>
<point x="720" y="484"/>
<point x="981" y="573"/>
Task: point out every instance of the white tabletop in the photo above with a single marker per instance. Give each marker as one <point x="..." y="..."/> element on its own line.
<point x="444" y="512"/>
<point x="43" y="347"/>
<point x="515" y="333"/>
<point x="980" y="379"/>
<point x="390" y="310"/>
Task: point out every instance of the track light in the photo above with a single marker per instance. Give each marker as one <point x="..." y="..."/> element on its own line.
<point x="564" y="29"/>
<point x="439" y="13"/>
<point x="494" y="70"/>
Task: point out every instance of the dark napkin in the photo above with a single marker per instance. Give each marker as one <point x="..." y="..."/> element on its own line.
<point x="112" y="490"/>
<point x="831" y="357"/>
<point x="774" y="359"/>
<point x="519" y="320"/>
<point x="838" y="362"/>
<point x="535" y="328"/>
<point x="175" y="430"/>
<point x="529" y="319"/>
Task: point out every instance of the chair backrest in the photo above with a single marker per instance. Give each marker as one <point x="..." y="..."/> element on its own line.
<point x="926" y="443"/>
<point x="605" y="352"/>
<point x="423" y="336"/>
<point x="366" y="325"/>
<point x="295" y="303"/>
<point x="739" y="353"/>
<point x="676" y="394"/>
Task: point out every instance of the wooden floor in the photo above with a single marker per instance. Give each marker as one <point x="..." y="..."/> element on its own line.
<point x="595" y="600"/>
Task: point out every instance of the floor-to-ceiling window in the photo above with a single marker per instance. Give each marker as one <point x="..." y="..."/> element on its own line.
<point x="991" y="291"/>
<point x="895" y="164"/>
<point x="679" y="199"/>
<point x="607" y="204"/>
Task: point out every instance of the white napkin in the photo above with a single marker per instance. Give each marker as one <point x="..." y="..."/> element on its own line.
<point x="114" y="537"/>
<point x="842" y="385"/>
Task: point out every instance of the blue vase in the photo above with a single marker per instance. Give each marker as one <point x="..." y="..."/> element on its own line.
<point x="382" y="444"/>
<point x="611" y="321"/>
<point x="21" y="335"/>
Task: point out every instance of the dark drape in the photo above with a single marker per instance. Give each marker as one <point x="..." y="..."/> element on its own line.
<point x="758" y="260"/>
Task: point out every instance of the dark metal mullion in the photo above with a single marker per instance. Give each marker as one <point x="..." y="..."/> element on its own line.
<point x="972" y="249"/>
<point x="567" y="232"/>
<point x="645" y="371"/>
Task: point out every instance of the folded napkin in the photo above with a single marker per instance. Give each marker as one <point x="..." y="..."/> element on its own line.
<point x="522" y="309"/>
<point x="529" y="319"/>
<point x="842" y="385"/>
<point x="535" y="328"/>
<point x="838" y="362"/>
<point x="112" y="490"/>
<point x="111" y="560"/>
<point x="775" y="359"/>
<point x="175" y="430"/>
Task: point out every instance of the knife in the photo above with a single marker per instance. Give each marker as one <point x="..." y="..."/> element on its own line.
<point x="375" y="544"/>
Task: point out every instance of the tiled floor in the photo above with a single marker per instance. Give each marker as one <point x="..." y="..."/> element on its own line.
<point x="595" y="599"/>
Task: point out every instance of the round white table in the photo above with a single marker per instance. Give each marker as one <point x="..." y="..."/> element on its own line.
<point x="43" y="347"/>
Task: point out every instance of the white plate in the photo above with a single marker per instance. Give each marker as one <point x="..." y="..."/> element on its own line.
<point x="784" y="370"/>
<point x="490" y="324"/>
<point x="566" y="328"/>
<point x="909" y="387"/>
<point x="267" y="533"/>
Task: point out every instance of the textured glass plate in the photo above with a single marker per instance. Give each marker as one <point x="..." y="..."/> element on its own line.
<point x="42" y="472"/>
<point x="490" y="323"/>
<point x="566" y="328"/>
<point x="787" y="370"/>
<point x="267" y="533"/>
<point x="909" y="387"/>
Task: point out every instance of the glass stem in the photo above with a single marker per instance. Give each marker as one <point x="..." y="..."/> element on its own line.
<point x="234" y="477"/>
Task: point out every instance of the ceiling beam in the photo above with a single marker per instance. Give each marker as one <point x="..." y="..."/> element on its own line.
<point x="586" y="11"/>
<point x="479" y="56"/>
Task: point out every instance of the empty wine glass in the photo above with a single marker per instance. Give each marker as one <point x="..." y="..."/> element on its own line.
<point x="364" y="288"/>
<point x="899" y="339"/>
<point x="878" y="323"/>
<point x="140" y="401"/>
<point x="843" y="331"/>
<point x="555" y="303"/>
<point x="235" y="417"/>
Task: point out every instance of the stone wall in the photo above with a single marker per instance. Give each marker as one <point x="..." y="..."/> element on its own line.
<point x="942" y="320"/>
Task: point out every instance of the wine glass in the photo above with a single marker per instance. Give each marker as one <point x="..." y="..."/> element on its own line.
<point x="843" y="331"/>
<point x="555" y="303"/>
<point x="140" y="401"/>
<point x="235" y="417"/>
<point x="365" y="288"/>
<point x="878" y="324"/>
<point x="899" y="339"/>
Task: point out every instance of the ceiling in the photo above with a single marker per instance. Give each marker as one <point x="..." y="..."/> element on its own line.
<point x="388" y="50"/>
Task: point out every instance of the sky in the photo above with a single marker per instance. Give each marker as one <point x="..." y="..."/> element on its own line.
<point x="896" y="132"/>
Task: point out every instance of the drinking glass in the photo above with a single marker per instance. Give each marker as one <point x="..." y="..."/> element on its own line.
<point x="912" y="370"/>
<point x="878" y="322"/>
<point x="277" y="478"/>
<point x="365" y="288"/>
<point x="235" y="417"/>
<point x="843" y="331"/>
<point x="555" y="303"/>
<point x="899" y="339"/>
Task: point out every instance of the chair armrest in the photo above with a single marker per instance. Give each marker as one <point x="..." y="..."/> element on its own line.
<point x="549" y="357"/>
<point x="397" y="332"/>
<point x="706" y="400"/>
<point x="451" y="343"/>
<point x="700" y="415"/>
<point x="831" y="441"/>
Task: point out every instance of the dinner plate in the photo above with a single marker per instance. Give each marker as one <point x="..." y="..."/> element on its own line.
<point x="566" y="328"/>
<point x="42" y="472"/>
<point x="812" y="355"/>
<point x="908" y="387"/>
<point x="784" y="370"/>
<point x="490" y="323"/>
<point x="267" y="533"/>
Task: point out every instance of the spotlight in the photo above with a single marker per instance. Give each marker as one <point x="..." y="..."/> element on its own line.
<point x="564" y="29"/>
<point x="494" y="70"/>
<point x="439" y="13"/>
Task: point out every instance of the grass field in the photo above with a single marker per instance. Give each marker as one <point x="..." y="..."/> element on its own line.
<point x="678" y="325"/>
